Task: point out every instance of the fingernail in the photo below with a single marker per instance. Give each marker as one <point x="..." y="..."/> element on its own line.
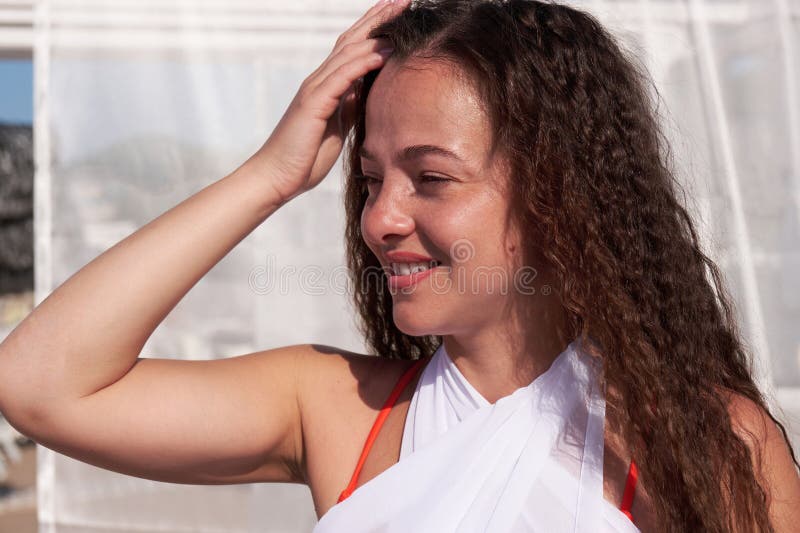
<point x="385" y="52"/>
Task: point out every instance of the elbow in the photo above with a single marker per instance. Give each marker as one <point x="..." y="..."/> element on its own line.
<point x="29" y="422"/>
<point x="17" y="404"/>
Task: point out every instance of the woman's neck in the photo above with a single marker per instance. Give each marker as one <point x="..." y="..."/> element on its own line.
<point x="498" y="360"/>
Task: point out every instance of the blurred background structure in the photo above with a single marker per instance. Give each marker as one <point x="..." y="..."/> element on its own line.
<point x="141" y="103"/>
<point x="17" y="452"/>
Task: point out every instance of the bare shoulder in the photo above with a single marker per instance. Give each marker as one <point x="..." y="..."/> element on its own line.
<point x="339" y="393"/>
<point x="324" y="370"/>
<point x="334" y="383"/>
<point x="754" y="425"/>
<point x="772" y="460"/>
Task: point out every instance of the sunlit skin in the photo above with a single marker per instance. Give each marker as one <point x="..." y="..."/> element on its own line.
<point x="465" y="214"/>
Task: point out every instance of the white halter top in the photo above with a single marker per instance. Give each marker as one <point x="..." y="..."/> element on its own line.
<point x="530" y="462"/>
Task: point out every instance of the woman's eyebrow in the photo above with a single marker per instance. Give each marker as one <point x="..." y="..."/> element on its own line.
<point x="415" y="151"/>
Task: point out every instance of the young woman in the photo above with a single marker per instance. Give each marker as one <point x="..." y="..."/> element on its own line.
<point x="556" y="352"/>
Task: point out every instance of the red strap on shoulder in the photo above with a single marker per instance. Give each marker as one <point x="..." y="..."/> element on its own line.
<point x="376" y="426"/>
<point x="630" y="490"/>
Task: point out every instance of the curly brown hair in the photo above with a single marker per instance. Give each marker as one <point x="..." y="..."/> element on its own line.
<point x="591" y="186"/>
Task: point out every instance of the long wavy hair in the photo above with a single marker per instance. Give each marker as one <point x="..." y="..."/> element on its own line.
<point x="592" y="189"/>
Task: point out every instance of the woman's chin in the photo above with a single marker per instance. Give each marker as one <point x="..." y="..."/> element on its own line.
<point x="415" y="324"/>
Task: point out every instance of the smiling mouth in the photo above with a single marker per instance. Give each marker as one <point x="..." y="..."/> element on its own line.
<point x="404" y="269"/>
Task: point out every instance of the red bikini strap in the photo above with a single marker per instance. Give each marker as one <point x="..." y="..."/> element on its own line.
<point x="630" y="489"/>
<point x="376" y="426"/>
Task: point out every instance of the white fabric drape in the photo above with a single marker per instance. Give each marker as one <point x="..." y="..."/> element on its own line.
<point x="530" y="462"/>
<point x="140" y="103"/>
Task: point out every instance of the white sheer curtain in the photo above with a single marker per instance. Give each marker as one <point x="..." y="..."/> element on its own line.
<point x="140" y="103"/>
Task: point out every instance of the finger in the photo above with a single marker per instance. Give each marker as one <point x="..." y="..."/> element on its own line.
<point x="333" y="61"/>
<point x="337" y="82"/>
<point x="349" y="53"/>
<point x="357" y="32"/>
<point x="345" y="114"/>
<point x="360" y="30"/>
<point x="346" y="111"/>
<point x="377" y="6"/>
<point x="384" y="9"/>
<point x="362" y="26"/>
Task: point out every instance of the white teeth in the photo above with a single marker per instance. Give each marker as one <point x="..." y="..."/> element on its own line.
<point x="404" y="269"/>
<point x="419" y="268"/>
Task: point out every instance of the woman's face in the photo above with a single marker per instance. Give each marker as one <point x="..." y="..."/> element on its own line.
<point x="459" y="221"/>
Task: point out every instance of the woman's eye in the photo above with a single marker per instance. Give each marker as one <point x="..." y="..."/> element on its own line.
<point x="433" y="179"/>
<point x="366" y="179"/>
<point x="425" y="178"/>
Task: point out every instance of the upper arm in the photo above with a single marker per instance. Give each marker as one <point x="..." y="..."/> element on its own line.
<point x="772" y="461"/>
<point x="232" y="420"/>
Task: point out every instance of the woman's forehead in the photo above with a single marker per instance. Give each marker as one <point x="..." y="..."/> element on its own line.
<point x="425" y="103"/>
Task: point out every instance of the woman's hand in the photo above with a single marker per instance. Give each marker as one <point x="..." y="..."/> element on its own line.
<point x="309" y="137"/>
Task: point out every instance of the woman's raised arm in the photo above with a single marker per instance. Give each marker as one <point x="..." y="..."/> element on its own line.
<point x="70" y="376"/>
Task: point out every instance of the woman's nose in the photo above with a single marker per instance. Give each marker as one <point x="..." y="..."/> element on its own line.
<point x="387" y="213"/>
